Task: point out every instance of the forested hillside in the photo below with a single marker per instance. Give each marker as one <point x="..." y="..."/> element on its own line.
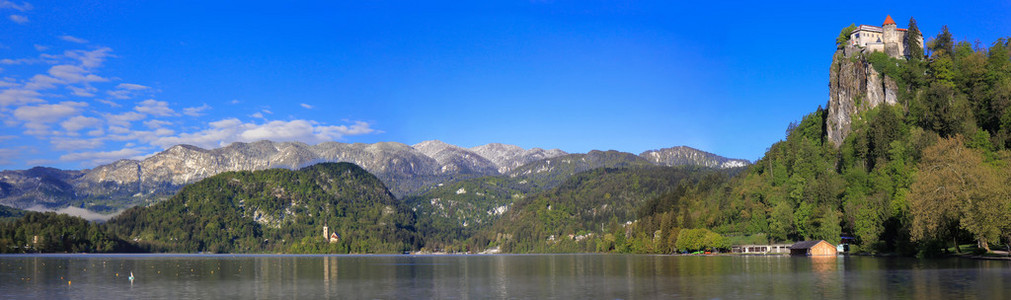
<point x="594" y="210"/>
<point x="275" y="210"/>
<point x="920" y="175"/>
<point x="915" y="177"/>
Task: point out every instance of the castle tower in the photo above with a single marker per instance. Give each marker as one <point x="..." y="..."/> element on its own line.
<point x="891" y="38"/>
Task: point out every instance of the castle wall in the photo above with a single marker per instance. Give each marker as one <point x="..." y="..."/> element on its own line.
<point x="875" y="47"/>
<point x="892" y="40"/>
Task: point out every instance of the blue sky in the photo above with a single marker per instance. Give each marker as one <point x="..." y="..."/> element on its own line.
<point x="88" y="82"/>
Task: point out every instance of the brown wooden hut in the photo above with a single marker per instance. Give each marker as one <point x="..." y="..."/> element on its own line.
<point x="813" y="248"/>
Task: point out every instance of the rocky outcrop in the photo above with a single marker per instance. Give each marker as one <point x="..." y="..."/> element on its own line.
<point x="456" y="160"/>
<point x="854" y="87"/>
<point x="682" y="155"/>
<point x="509" y="157"/>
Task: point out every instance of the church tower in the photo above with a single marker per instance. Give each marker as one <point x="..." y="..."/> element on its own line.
<point x="326" y="232"/>
<point x="891" y="37"/>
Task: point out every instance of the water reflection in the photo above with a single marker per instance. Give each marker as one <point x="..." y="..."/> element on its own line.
<point x="499" y="276"/>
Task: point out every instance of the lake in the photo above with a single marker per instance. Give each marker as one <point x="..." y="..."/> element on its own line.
<point x="563" y="276"/>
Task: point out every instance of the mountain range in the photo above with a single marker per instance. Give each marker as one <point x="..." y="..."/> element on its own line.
<point x="404" y="169"/>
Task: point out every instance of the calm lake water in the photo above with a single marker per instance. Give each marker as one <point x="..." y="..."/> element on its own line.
<point x="576" y="276"/>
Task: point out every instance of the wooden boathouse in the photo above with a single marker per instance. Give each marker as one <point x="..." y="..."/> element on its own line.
<point x="814" y="248"/>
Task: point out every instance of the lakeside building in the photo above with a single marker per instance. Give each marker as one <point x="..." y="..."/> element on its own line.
<point x="332" y="237"/>
<point x="814" y="248"/>
<point x="761" y="249"/>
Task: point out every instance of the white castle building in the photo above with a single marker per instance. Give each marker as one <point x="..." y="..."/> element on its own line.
<point x="887" y="38"/>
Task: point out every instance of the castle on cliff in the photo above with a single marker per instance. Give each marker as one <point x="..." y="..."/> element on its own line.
<point x="887" y="38"/>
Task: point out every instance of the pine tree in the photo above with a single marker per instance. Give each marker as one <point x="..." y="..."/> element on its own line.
<point x="943" y="43"/>
<point x="913" y="42"/>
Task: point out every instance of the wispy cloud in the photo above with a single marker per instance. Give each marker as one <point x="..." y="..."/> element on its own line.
<point x="196" y="111"/>
<point x="75" y="124"/>
<point x="100" y="157"/>
<point x="24" y="6"/>
<point x="19" y="19"/>
<point x="227" y="131"/>
<point x="37" y="103"/>
<point x="155" y="108"/>
<point x="37" y="118"/>
<point x="154" y="124"/>
<point x="127" y="90"/>
<point x="9" y="155"/>
<point x="73" y="39"/>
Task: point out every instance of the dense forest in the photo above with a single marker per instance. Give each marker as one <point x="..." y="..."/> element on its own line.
<point x="915" y="177"/>
<point x="275" y="210"/>
<point x="918" y="177"/>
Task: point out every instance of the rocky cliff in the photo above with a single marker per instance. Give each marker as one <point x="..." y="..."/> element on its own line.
<point x="683" y="155"/>
<point x="854" y="87"/>
<point x="509" y="157"/>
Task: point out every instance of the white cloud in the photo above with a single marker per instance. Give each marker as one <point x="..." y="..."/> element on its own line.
<point x="74" y="74"/>
<point x="19" y="19"/>
<point x="48" y="113"/>
<point x="235" y="101"/>
<point x="77" y="123"/>
<point x="155" y="108"/>
<point x="90" y="59"/>
<point x="75" y="144"/>
<point x="21" y="61"/>
<point x="42" y="82"/>
<point x="85" y="91"/>
<point x="73" y="39"/>
<point x="100" y="157"/>
<point x="196" y="111"/>
<point x="227" y="131"/>
<point x="131" y="86"/>
<point x="37" y="118"/>
<point x="41" y="48"/>
<point x="257" y="115"/>
<point x="109" y="103"/>
<point x="17" y="97"/>
<point x="127" y="90"/>
<point x="8" y="155"/>
<point x="25" y="6"/>
<point x="123" y="120"/>
<point x="156" y="123"/>
<point x="306" y="106"/>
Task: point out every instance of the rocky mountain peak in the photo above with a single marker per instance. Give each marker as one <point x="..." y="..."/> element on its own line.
<point x="684" y="155"/>
<point x="510" y="157"/>
<point x="456" y="160"/>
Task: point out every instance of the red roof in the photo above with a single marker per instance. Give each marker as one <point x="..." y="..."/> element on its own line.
<point x="888" y="21"/>
<point x="901" y="29"/>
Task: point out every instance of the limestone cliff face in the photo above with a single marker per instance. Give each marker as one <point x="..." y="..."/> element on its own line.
<point x="854" y="87"/>
<point x="683" y="155"/>
<point x="509" y="157"/>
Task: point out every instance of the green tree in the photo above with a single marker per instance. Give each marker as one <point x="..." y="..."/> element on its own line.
<point x="956" y="190"/>
<point x="943" y="43"/>
<point x="913" y="46"/>
<point x="844" y="36"/>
